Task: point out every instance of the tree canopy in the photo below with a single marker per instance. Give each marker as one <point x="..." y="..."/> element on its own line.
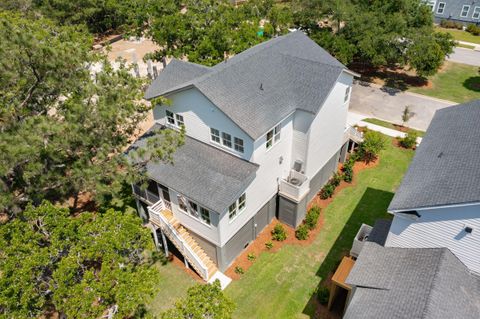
<point x="379" y="32"/>
<point x="82" y="266"/>
<point x="63" y="127"/>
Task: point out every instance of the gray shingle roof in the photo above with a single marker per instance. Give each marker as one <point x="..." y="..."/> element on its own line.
<point x="209" y="176"/>
<point x="412" y="283"/>
<point x="262" y="85"/>
<point x="446" y="166"/>
<point x="380" y="231"/>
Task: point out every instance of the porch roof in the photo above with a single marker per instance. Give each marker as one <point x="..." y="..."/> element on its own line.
<point x="205" y="174"/>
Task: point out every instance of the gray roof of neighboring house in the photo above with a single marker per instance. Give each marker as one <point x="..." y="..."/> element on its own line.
<point x="446" y="167"/>
<point x="413" y="283"/>
<point x="453" y="10"/>
<point x="380" y="231"/>
<point x="205" y="174"/>
<point x="262" y="85"/>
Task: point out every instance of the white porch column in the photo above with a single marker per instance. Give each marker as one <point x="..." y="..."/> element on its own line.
<point x="155" y="237"/>
<point x="164" y="242"/>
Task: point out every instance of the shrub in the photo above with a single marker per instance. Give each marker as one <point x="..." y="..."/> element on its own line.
<point x="269" y="245"/>
<point x="373" y="143"/>
<point x="336" y="179"/>
<point x="311" y="219"/>
<point x="473" y="29"/>
<point x="323" y="294"/>
<point x="449" y="24"/>
<point x="327" y="191"/>
<point x="348" y="170"/>
<point x="302" y="232"/>
<point x="278" y="233"/>
<point x="239" y="270"/>
<point x="410" y="140"/>
<point x="251" y="257"/>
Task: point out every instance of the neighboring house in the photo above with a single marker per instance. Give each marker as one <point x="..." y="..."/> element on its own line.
<point x="438" y="202"/>
<point x="265" y="130"/>
<point x="465" y="11"/>
<point x="411" y="283"/>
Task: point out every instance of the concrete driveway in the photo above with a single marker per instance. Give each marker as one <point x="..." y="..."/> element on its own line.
<point x="465" y="56"/>
<point x="388" y="104"/>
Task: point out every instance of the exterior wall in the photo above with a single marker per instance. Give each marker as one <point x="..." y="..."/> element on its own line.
<point x="325" y="136"/>
<point x="200" y="115"/>
<point x="323" y="175"/>
<point x="442" y="227"/>
<point x="453" y="10"/>
<point x="301" y="125"/>
<point x="274" y="164"/>
<point x="209" y="248"/>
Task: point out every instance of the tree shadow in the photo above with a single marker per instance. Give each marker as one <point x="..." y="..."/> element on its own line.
<point x="372" y="206"/>
<point x="472" y="83"/>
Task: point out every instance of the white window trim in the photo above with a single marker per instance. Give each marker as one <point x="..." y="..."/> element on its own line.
<point x="475" y="11"/>
<point x="461" y="12"/>
<point x="175" y="120"/>
<point x="220" y="144"/>
<point x="348" y="93"/>
<point x="443" y="9"/>
<point x="275" y="141"/>
<point x="199" y="207"/>
<point x="238" y="212"/>
<point x="235" y="144"/>
<point x="219" y="136"/>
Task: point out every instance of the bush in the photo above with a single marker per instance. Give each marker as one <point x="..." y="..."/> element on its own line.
<point x="251" y="257"/>
<point x="311" y="219"/>
<point x="323" y="294"/>
<point x="336" y="179"/>
<point x="348" y="170"/>
<point x="327" y="191"/>
<point x="473" y="29"/>
<point x="410" y="140"/>
<point x="269" y="245"/>
<point x="373" y="143"/>
<point x="302" y="232"/>
<point x="449" y="24"/>
<point x="278" y="233"/>
<point x="239" y="270"/>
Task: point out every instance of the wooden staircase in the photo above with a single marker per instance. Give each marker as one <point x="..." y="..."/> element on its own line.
<point x="184" y="242"/>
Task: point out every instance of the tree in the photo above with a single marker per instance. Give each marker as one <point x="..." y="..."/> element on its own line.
<point x="81" y="266"/>
<point x="407" y="114"/>
<point x="373" y="143"/>
<point x="64" y="129"/>
<point x="379" y="33"/>
<point x="202" y="301"/>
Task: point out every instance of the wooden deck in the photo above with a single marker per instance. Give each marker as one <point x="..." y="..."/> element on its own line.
<point x="339" y="278"/>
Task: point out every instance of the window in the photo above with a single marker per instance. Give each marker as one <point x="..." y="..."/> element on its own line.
<point x="347" y="94"/>
<point x="237" y="207"/>
<point x="180" y="121"/>
<point x="205" y="215"/>
<point x="238" y="144"/>
<point x="170" y="117"/>
<point x="431" y="4"/>
<point x="465" y="10"/>
<point x="193" y="208"/>
<point x="476" y="13"/>
<point x="273" y="136"/>
<point x="441" y="8"/>
<point x="181" y="203"/>
<point x="215" y="135"/>
<point x="226" y="139"/>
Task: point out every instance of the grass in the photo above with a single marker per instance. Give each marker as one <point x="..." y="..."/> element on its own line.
<point x="455" y="82"/>
<point x="392" y="126"/>
<point x="466" y="46"/>
<point x="281" y="284"/>
<point x="461" y="35"/>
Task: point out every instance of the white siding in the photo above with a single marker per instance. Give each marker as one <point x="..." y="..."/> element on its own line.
<point x="301" y="126"/>
<point x="199" y="115"/>
<point x="265" y="185"/>
<point x="326" y="131"/>
<point x="443" y="227"/>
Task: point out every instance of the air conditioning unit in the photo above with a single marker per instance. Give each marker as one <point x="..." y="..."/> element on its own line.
<point x="360" y="239"/>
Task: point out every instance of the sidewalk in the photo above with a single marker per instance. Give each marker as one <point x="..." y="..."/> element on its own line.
<point x="475" y="45"/>
<point x="357" y="119"/>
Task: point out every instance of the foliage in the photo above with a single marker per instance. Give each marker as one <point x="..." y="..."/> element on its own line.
<point x="311" y="219"/>
<point x="269" y="245"/>
<point x="64" y="130"/>
<point x="336" y="179"/>
<point x="207" y="31"/>
<point x="279" y="233"/>
<point x="347" y="169"/>
<point x="323" y="294"/>
<point x="473" y="29"/>
<point x="378" y="33"/>
<point x="409" y="141"/>
<point x="450" y="24"/>
<point x="239" y="270"/>
<point x="373" y="143"/>
<point x="407" y="114"/>
<point x="327" y="191"/>
<point x="203" y="301"/>
<point x="302" y="232"/>
<point x="251" y="257"/>
<point x="81" y="266"/>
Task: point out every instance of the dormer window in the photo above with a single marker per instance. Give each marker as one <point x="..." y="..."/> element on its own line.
<point x="238" y="143"/>
<point x="174" y="119"/>
<point x="215" y="135"/>
<point x="227" y="140"/>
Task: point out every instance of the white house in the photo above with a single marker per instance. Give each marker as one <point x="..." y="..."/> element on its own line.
<point x="438" y="202"/>
<point x="265" y="130"/>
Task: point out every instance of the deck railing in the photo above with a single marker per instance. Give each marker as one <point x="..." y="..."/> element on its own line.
<point x="146" y="194"/>
<point x="294" y="191"/>
<point x="158" y="218"/>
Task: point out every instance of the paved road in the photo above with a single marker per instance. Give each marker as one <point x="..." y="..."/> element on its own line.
<point x="466" y="56"/>
<point x="374" y="101"/>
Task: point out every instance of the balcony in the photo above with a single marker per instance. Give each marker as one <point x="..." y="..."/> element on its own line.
<point x="295" y="186"/>
<point x="353" y="134"/>
<point x="146" y="195"/>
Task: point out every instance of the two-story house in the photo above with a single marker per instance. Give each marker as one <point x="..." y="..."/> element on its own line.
<point x="265" y="130"/>
<point x="465" y="11"/>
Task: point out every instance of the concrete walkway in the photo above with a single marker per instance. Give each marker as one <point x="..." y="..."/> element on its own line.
<point x="224" y="279"/>
<point x="475" y="45"/>
<point x="466" y="56"/>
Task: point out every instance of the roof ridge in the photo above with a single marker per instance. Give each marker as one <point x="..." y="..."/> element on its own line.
<point x="313" y="61"/>
<point x="191" y="63"/>
<point x="434" y="281"/>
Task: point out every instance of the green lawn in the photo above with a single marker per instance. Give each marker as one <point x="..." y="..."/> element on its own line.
<point x="461" y="35"/>
<point x="391" y="125"/>
<point x="280" y="285"/>
<point x="455" y="82"/>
